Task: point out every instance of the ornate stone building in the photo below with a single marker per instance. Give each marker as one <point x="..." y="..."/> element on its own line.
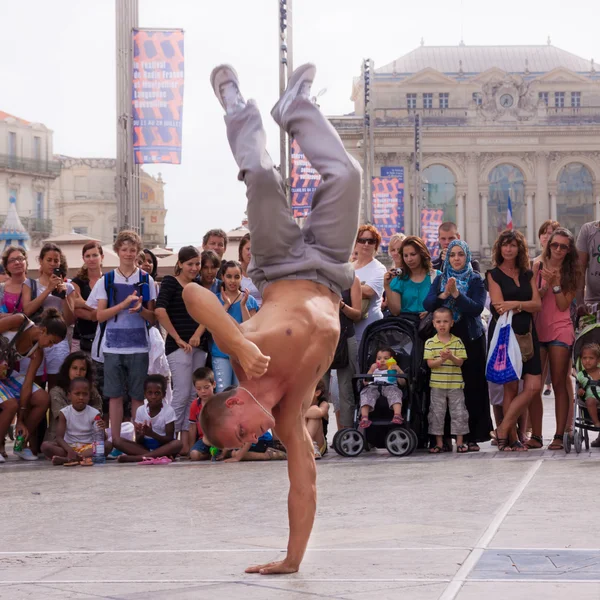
<point x="497" y="121"/>
<point x="84" y="201"/>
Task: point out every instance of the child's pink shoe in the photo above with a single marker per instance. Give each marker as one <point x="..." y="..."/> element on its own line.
<point x="397" y="420"/>
<point x="364" y="423"/>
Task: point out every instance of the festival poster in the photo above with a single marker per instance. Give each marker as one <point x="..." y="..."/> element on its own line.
<point x="304" y="181"/>
<point x="431" y="219"/>
<point x="387" y="197"/>
<point x="397" y="172"/>
<point x="157" y="95"/>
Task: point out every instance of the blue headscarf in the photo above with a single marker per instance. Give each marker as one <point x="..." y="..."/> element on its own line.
<point x="463" y="276"/>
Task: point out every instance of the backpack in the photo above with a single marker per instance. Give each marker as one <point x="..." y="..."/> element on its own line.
<point x="111" y="292"/>
<point x="8" y="353"/>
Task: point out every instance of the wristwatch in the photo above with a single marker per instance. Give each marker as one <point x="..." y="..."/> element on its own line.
<point x="556" y="289"/>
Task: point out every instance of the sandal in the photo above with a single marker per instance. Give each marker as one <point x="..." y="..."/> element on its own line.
<point x="436" y="450"/>
<point x="86" y="462"/>
<point x="146" y="461"/>
<point x="72" y="463"/>
<point x="462" y="449"/>
<point x="501" y="442"/>
<point x="556" y="443"/>
<point x="534" y="438"/>
<point x="364" y="423"/>
<point x="473" y="447"/>
<point x="397" y="420"/>
<point x="517" y="446"/>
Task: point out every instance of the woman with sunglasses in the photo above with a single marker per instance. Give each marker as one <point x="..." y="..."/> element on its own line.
<point x="370" y="273"/>
<point x="557" y="275"/>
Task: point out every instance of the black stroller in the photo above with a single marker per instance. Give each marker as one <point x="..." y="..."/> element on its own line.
<point x="400" y="334"/>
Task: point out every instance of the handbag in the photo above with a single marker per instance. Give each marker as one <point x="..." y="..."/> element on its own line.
<point x="426" y="330"/>
<point x="504" y="363"/>
<point x="525" y="341"/>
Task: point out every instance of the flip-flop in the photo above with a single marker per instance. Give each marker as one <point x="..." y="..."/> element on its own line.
<point x="72" y="463"/>
<point x="87" y="462"/>
<point x="146" y="461"/>
<point x="162" y="460"/>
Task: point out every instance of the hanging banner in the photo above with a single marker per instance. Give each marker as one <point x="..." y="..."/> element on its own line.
<point x="387" y="197"/>
<point x="157" y="95"/>
<point x="431" y="219"/>
<point x="304" y="181"/>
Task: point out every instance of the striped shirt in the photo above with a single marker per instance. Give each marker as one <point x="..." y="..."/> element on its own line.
<point x="448" y="376"/>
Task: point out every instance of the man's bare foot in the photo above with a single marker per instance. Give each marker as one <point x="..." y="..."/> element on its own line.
<point x="126" y="458"/>
<point x="280" y="567"/>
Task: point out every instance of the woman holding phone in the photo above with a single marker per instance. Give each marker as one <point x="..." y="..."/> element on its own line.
<point x="50" y="291"/>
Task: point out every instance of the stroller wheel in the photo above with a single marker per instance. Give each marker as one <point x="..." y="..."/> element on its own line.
<point x="415" y="439"/>
<point x="586" y="439"/>
<point x="349" y="442"/>
<point x="567" y="442"/>
<point x="399" y="442"/>
<point x="336" y="435"/>
<point x="578" y="441"/>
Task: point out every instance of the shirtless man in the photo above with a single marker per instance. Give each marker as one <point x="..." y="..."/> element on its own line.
<point x="280" y="354"/>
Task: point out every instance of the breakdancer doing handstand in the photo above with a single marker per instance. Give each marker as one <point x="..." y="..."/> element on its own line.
<point x="280" y="354"/>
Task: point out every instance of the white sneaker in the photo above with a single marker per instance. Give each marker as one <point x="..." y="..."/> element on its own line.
<point x="318" y="454"/>
<point x="299" y="85"/>
<point x="2" y="459"/>
<point x="226" y="86"/>
<point x="26" y="454"/>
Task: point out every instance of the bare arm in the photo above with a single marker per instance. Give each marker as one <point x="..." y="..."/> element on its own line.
<point x="163" y="318"/>
<point x="205" y="308"/>
<point x="352" y="312"/>
<point x="31" y="306"/>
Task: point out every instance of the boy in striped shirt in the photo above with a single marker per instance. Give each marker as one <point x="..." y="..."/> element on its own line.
<point x="445" y="354"/>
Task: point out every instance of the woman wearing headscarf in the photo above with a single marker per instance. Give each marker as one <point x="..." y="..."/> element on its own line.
<point x="462" y="290"/>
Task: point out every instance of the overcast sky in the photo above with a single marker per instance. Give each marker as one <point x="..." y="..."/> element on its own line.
<point x="58" y="68"/>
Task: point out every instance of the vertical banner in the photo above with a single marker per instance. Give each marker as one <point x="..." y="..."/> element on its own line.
<point x="431" y="219"/>
<point x="157" y="95"/>
<point x="304" y="181"/>
<point x="387" y="197"/>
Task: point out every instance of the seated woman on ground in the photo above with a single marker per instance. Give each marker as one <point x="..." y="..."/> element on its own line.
<point x="76" y="365"/>
<point x="74" y="442"/>
<point x="317" y="418"/>
<point x="154" y="426"/>
<point x="18" y="393"/>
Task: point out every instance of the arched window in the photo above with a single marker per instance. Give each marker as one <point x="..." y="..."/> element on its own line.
<point x="575" y="199"/>
<point x="506" y="181"/>
<point x="439" y="186"/>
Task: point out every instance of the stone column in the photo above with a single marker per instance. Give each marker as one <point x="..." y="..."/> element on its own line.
<point x="553" y="206"/>
<point x="530" y="220"/>
<point x="484" y="221"/>
<point x="408" y="204"/>
<point x="597" y="208"/>
<point x="472" y="233"/>
<point x="542" y="206"/>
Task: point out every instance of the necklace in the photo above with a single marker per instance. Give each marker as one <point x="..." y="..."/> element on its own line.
<point x="126" y="276"/>
<point x="257" y="402"/>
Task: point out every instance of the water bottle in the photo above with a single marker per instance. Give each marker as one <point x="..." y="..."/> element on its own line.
<point x="19" y="442"/>
<point x="391" y="362"/>
<point x="98" y="455"/>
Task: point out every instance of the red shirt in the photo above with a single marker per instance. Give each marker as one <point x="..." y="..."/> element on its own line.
<point x="195" y="415"/>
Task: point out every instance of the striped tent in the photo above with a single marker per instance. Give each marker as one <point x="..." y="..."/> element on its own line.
<point x="12" y="232"/>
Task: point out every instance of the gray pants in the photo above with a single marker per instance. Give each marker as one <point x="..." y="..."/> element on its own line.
<point x="459" y="417"/>
<point x="280" y="248"/>
<point x="345" y="388"/>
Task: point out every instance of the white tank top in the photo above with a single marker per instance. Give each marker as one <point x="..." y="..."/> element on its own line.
<point x="80" y="424"/>
<point x="9" y="336"/>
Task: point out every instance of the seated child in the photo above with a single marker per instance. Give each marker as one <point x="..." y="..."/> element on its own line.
<point x="317" y="418"/>
<point x="154" y="426"/>
<point x="204" y="382"/>
<point x="77" y="364"/>
<point x="75" y="428"/>
<point x="445" y="354"/>
<point x="370" y="393"/>
<point x="589" y="380"/>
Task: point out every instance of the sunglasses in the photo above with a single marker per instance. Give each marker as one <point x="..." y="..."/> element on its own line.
<point x="369" y="241"/>
<point x="557" y="246"/>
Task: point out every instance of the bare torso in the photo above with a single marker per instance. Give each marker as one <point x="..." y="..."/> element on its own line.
<point x="298" y="327"/>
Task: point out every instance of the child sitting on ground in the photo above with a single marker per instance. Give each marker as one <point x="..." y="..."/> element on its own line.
<point x="154" y="427"/>
<point x="370" y="393"/>
<point x="445" y="354"/>
<point x="317" y="418"/>
<point x="204" y="382"/>
<point x="589" y="380"/>
<point x="75" y="428"/>
<point x="77" y="364"/>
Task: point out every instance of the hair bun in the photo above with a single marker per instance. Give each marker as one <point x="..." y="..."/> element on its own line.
<point x="51" y="313"/>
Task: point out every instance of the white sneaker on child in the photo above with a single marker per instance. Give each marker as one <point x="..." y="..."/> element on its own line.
<point x="26" y="454"/>
<point x="318" y="454"/>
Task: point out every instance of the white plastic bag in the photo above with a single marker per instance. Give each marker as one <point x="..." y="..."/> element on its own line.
<point x="504" y="363"/>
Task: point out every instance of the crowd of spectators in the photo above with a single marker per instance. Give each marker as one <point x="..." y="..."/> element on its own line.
<point x="119" y="351"/>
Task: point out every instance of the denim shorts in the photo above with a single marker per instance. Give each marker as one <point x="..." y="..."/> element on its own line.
<point x="201" y="447"/>
<point x="557" y="343"/>
<point x="125" y="373"/>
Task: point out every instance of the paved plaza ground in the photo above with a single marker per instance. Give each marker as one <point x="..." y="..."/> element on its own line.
<point x="470" y="527"/>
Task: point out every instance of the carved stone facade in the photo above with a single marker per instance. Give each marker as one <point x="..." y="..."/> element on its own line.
<point x="84" y="201"/>
<point x="513" y="121"/>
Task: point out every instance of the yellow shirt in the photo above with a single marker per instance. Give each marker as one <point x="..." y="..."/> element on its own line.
<point x="447" y="376"/>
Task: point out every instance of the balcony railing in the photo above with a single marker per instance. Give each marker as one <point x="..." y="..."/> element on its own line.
<point x="47" y="168"/>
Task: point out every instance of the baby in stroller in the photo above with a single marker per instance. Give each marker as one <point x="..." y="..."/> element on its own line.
<point x="589" y="381"/>
<point x="389" y="389"/>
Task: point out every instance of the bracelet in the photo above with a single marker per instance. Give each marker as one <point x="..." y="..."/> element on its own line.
<point x="140" y="309"/>
<point x="343" y="306"/>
